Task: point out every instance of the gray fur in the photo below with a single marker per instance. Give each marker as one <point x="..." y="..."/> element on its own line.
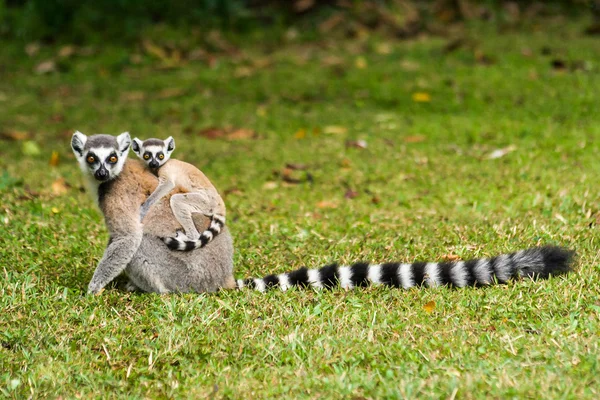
<point x="137" y="249"/>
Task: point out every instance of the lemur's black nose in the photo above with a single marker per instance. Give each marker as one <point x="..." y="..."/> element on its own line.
<point x="101" y="174"/>
<point x="153" y="164"/>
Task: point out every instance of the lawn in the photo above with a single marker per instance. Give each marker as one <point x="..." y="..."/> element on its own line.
<point x="366" y="149"/>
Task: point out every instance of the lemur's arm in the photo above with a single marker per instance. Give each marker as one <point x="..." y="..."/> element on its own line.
<point x="118" y="254"/>
<point x="165" y="185"/>
<point x="120" y="208"/>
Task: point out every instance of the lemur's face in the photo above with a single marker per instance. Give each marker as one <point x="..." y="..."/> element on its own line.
<point x="101" y="156"/>
<point x="154" y="152"/>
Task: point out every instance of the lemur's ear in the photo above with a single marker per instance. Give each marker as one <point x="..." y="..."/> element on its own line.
<point x="77" y="143"/>
<point x="136" y="146"/>
<point x="170" y="143"/>
<point x="124" y="141"/>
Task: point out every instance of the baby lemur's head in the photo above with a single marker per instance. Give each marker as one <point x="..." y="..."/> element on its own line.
<point x="101" y="156"/>
<point x="154" y="152"/>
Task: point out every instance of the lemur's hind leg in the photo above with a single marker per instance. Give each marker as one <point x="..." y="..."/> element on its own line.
<point x="206" y="202"/>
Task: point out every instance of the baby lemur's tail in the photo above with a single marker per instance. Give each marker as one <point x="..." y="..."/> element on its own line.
<point x="217" y="222"/>
<point x="535" y="263"/>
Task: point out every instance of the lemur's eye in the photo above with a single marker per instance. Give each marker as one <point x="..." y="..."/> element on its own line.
<point x="161" y="156"/>
<point x="91" y="159"/>
<point x="146" y="156"/>
<point x="113" y="159"/>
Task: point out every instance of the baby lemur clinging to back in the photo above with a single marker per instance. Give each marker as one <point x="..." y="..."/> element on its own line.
<point x="199" y="195"/>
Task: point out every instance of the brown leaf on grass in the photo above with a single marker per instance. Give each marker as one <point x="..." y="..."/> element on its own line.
<point x="54" y="159"/>
<point x="66" y="51"/>
<point x="301" y="6"/>
<point x="453" y="45"/>
<point x="154" y="50"/>
<point x="46" y="67"/>
<point x="296" y="166"/>
<point x="235" y="191"/>
<point x="414" y="139"/>
<point x="450" y="257"/>
<point x="228" y="133"/>
<point x="483" y="58"/>
<point x="332" y="61"/>
<point x="32" y="49"/>
<point x="60" y="187"/>
<point x="331" y="23"/>
<point x="241" y="134"/>
<point x="429" y="307"/>
<point x="243" y="71"/>
<point x="383" y="48"/>
<point x="270" y="185"/>
<point x="358" y="144"/>
<point x="169" y="93"/>
<point x="360" y="63"/>
<point x="335" y="130"/>
<point x="409" y="66"/>
<point x="135" y="95"/>
<point x="326" y="204"/>
<point x="350" y="194"/>
<point x="14" y="135"/>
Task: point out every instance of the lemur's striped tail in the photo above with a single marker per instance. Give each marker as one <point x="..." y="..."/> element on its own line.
<point x="217" y="222"/>
<point x="537" y="262"/>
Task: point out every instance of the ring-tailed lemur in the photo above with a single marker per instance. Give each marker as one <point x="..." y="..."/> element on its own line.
<point x="122" y="186"/>
<point x="199" y="195"/>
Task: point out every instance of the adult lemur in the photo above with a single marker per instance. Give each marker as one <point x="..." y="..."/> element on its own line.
<point x="122" y="186"/>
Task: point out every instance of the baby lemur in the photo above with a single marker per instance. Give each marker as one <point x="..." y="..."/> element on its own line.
<point x="199" y="195"/>
<point x="137" y="249"/>
<point x="120" y="186"/>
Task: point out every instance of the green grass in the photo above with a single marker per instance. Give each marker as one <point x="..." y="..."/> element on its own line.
<point x="414" y="200"/>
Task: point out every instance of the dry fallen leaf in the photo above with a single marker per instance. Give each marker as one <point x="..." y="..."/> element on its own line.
<point x="228" y="133"/>
<point x="154" y="50"/>
<point x="350" y="194"/>
<point x="359" y="144"/>
<point x="60" y="187"/>
<point x="270" y="185"/>
<point x="414" y="139"/>
<point x="409" y="65"/>
<point x="300" y="134"/>
<point x="429" y="306"/>
<point x="326" y="204"/>
<point x="46" y="67"/>
<point x="450" y="257"/>
<point x="135" y="95"/>
<point x="360" y="63"/>
<point x="241" y="133"/>
<point x="421" y="97"/>
<point x="170" y="93"/>
<point x="14" y="135"/>
<point x="335" y="130"/>
<point x="296" y="166"/>
<point x="66" y="51"/>
<point x="501" y="152"/>
<point x="54" y="159"/>
<point x="383" y="48"/>
<point x="32" y="49"/>
<point x="301" y="6"/>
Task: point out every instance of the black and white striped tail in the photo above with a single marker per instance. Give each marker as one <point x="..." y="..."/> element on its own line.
<point x="217" y="222"/>
<point x="536" y="263"/>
